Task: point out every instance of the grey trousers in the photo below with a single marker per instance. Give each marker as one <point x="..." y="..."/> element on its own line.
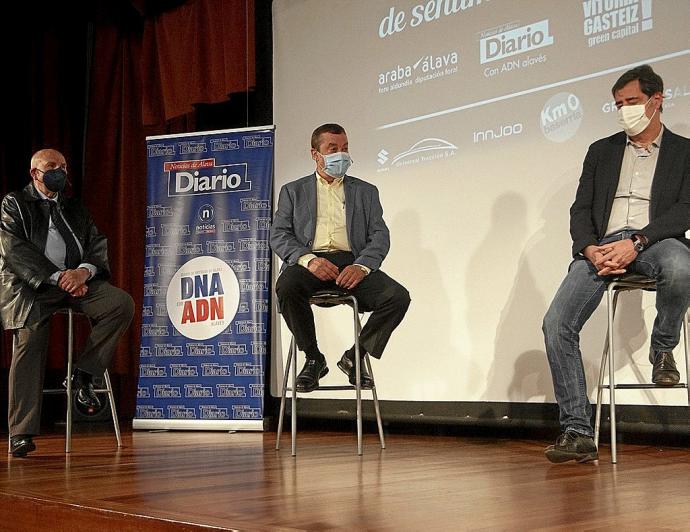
<point x="110" y="312"/>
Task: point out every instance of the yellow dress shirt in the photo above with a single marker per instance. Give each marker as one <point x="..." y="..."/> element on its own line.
<point x="331" y="225"/>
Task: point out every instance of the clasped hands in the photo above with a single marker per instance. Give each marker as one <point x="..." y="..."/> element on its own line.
<point x="325" y="270"/>
<point x="74" y="281"/>
<point x="612" y="258"/>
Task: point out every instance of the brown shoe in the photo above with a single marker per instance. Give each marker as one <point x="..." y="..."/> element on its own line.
<point x="664" y="372"/>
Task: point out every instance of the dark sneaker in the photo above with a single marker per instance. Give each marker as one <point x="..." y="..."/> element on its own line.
<point x="664" y="372"/>
<point x="572" y="446"/>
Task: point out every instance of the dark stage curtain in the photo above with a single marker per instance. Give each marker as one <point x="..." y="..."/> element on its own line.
<point x="201" y="52"/>
<point x="44" y="105"/>
<point x="93" y="86"/>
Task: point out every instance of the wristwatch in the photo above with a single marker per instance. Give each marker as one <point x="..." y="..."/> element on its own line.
<point x="364" y="269"/>
<point x="639" y="242"/>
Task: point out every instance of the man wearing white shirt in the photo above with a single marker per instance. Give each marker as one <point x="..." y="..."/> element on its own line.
<point x="630" y="214"/>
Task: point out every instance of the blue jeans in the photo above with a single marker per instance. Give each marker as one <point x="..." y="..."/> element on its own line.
<point x="667" y="261"/>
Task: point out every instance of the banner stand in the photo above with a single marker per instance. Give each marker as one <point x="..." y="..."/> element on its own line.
<point x="205" y="324"/>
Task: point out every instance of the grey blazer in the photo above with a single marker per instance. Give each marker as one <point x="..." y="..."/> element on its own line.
<point x="294" y="223"/>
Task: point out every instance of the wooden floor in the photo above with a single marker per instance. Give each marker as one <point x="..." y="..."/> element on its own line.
<point x="183" y="480"/>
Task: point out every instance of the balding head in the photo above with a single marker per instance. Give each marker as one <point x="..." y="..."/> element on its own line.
<point x="42" y="161"/>
<point x="47" y="159"/>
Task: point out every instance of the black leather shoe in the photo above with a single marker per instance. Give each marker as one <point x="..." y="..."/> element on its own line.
<point x="572" y="446"/>
<point x="21" y="445"/>
<point x="664" y="372"/>
<point x="308" y="378"/>
<point x="85" y="396"/>
<point x="347" y="366"/>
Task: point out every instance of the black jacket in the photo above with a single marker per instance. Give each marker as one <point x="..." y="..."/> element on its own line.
<point x="669" y="212"/>
<point x="23" y="234"/>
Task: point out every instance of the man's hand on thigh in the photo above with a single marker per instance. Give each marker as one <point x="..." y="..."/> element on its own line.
<point x="350" y="277"/>
<point x="323" y="269"/>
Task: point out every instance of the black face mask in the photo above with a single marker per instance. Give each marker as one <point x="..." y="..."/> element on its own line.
<point x="55" y="179"/>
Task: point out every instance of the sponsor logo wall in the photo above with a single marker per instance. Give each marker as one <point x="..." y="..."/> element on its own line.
<point x="206" y="280"/>
<point x="522" y="66"/>
<point x="472" y="118"/>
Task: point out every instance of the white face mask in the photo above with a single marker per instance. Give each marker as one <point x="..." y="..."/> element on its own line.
<point x="633" y="118"/>
<point x="336" y="164"/>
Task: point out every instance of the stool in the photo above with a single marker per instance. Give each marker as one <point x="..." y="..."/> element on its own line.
<point x="620" y="284"/>
<point x="68" y="390"/>
<point x="329" y="298"/>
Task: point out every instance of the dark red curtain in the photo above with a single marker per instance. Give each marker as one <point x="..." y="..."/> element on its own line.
<point x="94" y="86"/>
<point x="201" y="52"/>
<point x="45" y="91"/>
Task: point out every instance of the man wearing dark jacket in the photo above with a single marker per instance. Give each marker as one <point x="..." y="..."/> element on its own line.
<point x="630" y="214"/>
<point x="52" y="256"/>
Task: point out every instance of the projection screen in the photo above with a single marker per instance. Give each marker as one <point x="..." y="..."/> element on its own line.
<point x="473" y="117"/>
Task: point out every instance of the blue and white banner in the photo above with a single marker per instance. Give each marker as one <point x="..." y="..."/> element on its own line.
<point x="207" y="281"/>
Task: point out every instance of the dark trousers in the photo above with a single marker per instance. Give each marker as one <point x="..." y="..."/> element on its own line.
<point x="377" y="293"/>
<point x="110" y="312"/>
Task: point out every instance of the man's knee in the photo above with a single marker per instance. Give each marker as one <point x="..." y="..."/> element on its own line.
<point x="676" y="270"/>
<point x="575" y="296"/>
<point x="283" y="288"/>
<point x="553" y="323"/>
<point x="401" y="298"/>
<point x="398" y="297"/>
<point x="550" y="323"/>
<point x="127" y="306"/>
<point x="121" y="305"/>
<point x="288" y="287"/>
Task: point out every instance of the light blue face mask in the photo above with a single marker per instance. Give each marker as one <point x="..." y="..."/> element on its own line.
<point x="336" y="164"/>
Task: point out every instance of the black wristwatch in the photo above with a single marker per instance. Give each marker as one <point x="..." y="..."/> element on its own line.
<point x="638" y="243"/>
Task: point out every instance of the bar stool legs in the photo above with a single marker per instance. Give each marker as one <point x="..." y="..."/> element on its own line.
<point x="70" y="397"/>
<point x="367" y="362"/>
<point x="610" y="311"/>
<point x="68" y="389"/>
<point x="686" y="332"/>
<point x="291" y="368"/>
<point x="358" y="377"/>
<point x="113" y="409"/>
<point x="283" y="388"/>
<point x="293" y="409"/>
<point x="612" y="293"/>
<point x="376" y="406"/>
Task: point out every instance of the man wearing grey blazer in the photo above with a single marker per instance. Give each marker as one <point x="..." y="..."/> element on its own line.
<point x="329" y="232"/>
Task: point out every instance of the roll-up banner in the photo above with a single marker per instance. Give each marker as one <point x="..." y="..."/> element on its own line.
<point x="206" y="281"/>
